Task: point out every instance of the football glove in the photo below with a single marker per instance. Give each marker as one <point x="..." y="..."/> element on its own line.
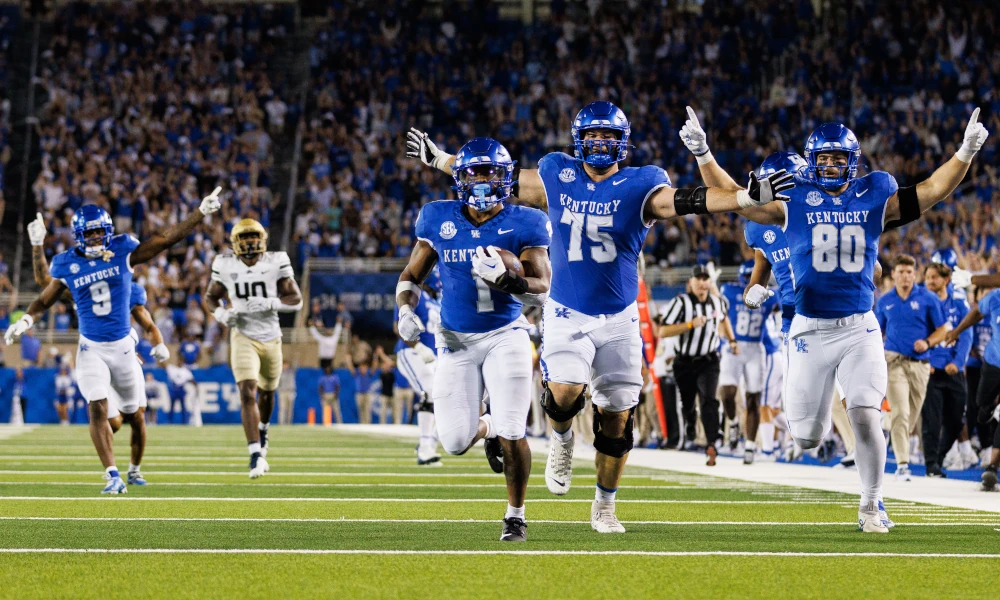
<point x="36" y="230"/>
<point x="419" y="145"/>
<point x="488" y="264"/>
<point x="694" y="137"/>
<point x="757" y="295"/>
<point x="211" y="202"/>
<point x="161" y="353"/>
<point x="409" y="325"/>
<point x="17" y="329"/>
<point x="764" y="191"/>
<point x="975" y="137"/>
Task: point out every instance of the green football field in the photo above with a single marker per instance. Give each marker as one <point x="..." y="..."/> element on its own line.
<point x="346" y="515"/>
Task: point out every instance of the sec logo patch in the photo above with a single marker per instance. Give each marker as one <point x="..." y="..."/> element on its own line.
<point x="769" y="237"/>
<point x="567" y="175"/>
<point x="448" y="230"/>
<point x="814" y="198"/>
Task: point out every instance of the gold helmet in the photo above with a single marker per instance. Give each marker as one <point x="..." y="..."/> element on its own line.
<point x="248" y="238"/>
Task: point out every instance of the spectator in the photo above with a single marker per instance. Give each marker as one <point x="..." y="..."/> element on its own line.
<point x="387" y="377"/>
<point x="327" y="344"/>
<point x="286" y="395"/>
<point x="157" y="398"/>
<point x="361" y="352"/>
<point x="190" y="350"/>
<point x="363" y="381"/>
<point x="31" y="347"/>
<point x="329" y="393"/>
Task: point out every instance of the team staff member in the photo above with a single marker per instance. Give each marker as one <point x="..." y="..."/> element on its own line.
<point x="945" y="402"/>
<point x="695" y="318"/>
<point x="908" y="315"/>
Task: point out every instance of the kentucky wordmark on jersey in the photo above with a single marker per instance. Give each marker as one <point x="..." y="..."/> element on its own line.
<point x="243" y="282"/>
<point x="833" y="241"/>
<point x="599" y="232"/>
<point x="454" y="237"/>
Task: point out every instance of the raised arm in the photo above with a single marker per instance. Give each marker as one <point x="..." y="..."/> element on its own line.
<point x="166" y="238"/>
<point x="756" y="203"/>
<point x="696" y="140"/>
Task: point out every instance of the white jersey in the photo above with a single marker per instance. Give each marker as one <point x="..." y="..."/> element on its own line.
<point x="259" y="281"/>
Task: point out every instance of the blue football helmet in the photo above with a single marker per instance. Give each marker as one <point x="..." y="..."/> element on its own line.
<point x="744" y="272"/>
<point x="791" y="162"/>
<point x="432" y="283"/>
<point x="479" y="157"/>
<point x="833" y="137"/>
<point x="601" y="154"/>
<point x="945" y="256"/>
<point x="88" y="218"/>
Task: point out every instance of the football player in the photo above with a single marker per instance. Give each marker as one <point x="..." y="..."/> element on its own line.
<point x="98" y="272"/>
<point x="601" y="215"/>
<point x="258" y="285"/>
<point x="483" y="343"/>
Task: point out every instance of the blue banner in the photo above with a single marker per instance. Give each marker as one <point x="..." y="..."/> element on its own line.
<point x="369" y="297"/>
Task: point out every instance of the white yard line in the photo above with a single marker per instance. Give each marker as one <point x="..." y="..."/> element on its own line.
<point x="127" y="498"/>
<point x="488" y="552"/>
<point x="9" y="431"/>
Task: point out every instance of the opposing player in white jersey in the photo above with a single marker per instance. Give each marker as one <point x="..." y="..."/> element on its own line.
<point x="601" y="214"/>
<point x="258" y="285"/>
<point x="483" y="343"/>
<point x="417" y="360"/>
<point x="98" y="272"/>
<point x="833" y="223"/>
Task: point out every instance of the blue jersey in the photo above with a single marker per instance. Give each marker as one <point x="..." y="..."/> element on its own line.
<point x="833" y="241"/>
<point x="772" y="338"/>
<point x="990" y="307"/>
<point x="429" y="311"/>
<point x="903" y="322"/>
<point x="468" y="305"/>
<point x="748" y="323"/>
<point x="101" y="289"/>
<point x="954" y="307"/>
<point x="599" y="232"/>
<point x="138" y="296"/>
<point x="982" y="332"/>
<point x="771" y="241"/>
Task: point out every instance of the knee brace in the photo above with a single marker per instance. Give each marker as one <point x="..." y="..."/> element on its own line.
<point x="561" y="414"/>
<point x="615" y="447"/>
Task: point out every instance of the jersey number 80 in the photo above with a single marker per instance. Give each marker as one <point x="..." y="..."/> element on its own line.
<point x="832" y="248"/>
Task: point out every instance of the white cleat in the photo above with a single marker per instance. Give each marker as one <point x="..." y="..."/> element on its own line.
<point x="603" y="519"/>
<point x="428" y="457"/>
<point x="259" y="469"/>
<point x="559" y="467"/>
<point x="903" y="473"/>
<point x="870" y="521"/>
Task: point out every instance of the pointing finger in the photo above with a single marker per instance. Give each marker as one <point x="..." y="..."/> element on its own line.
<point x="693" y="116"/>
<point x="215" y="193"/>
<point x="38" y="217"/>
<point x="975" y="117"/>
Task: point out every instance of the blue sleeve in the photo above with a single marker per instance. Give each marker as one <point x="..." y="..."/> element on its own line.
<point x="984" y="304"/>
<point x="748" y="237"/>
<point x="58" y="268"/>
<point x="126" y="243"/>
<point x="963" y="346"/>
<point x="138" y="296"/>
<point x="538" y="233"/>
<point x="886" y="183"/>
<point x="553" y="161"/>
<point x="936" y="313"/>
<point x="655" y="176"/>
<point x="880" y="313"/>
<point x="425" y="225"/>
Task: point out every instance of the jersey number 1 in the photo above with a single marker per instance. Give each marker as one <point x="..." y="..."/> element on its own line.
<point x="831" y="248"/>
<point x="606" y="252"/>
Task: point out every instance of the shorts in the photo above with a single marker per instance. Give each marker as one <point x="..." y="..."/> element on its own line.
<point x="604" y="351"/>
<point x="252" y="360"/>
<point x="110" y="371"/>
<point x="748" y="365"/>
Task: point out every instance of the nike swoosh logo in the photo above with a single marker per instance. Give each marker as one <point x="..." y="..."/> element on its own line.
<point x="871" y="330"/>
<point x="507" y="535"/>
<point x="634" y="319"/>
<point x="501" y="231"/>
<point x="889" y="307"/>
<point x="859" y="194"/>
<point x="127" y="351"/>
<point x="619" y="181"/>
<point x="558" y="482"/>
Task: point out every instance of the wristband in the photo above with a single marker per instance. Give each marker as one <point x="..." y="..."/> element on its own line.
<point x="964" y="155"/>
<point x="512" y="283"/>
<point x="440" y="161"/>
<point x="407" y="286"/>
<point x="744" y="200"/>
<point x="690" y="325"/>
<point x="704" y="159"/>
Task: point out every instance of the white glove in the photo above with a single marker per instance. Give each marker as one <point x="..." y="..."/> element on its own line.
<point x="225" y="316"/>
<point x="764" y="191"/>
<point x="409" y="325"/>
<point x="211" y="202"/>
<point x="488" y="264"/>
<point x="36" y="230"/>
<point x="17" y="329"/>
<point x="975" y="137"/>
<point x="713" y="273"/>
<point x="161" y="353"/>
<point x="419" y="145"/>
<point x="756" y="296"/>
<point x="426" y="354"/>
<point x="961" y="278"/>
<point x="695" y="139"/>
<point x="256" y="305"/>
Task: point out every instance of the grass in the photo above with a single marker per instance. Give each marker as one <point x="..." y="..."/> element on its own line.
<point x="351" y="516"/>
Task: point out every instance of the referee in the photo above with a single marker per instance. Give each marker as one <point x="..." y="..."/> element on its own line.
<point x="695" y="319"/>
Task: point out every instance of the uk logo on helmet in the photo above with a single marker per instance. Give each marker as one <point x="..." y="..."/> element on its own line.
<point x="567" y="175"/>
<point x="814" y="198"/>
<point x="769" y="237"/>
<point x="448" y="230"/>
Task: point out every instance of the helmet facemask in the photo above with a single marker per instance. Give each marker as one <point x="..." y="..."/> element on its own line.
<point x="483" y="186"/>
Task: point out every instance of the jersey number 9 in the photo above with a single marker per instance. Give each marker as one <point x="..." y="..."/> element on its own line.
<point x="100" y="298"/>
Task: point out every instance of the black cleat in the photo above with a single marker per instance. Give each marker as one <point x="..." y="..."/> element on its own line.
<point x="494" y="454"/>
<point x="936" y="472"/>
<point x="514" y="530"/>
<point x="990" y="479"/>
<point x="263" y="442"/>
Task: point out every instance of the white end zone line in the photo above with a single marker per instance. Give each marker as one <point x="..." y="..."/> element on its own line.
<point x="486" y="552"/>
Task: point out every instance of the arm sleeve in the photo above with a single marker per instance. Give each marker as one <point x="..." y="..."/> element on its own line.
<point x="748" y="237"/>
<point x="138" y="296"/>
<point x="675" y="312"/>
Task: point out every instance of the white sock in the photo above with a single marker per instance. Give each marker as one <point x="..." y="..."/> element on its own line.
<point x="112" y="471"/>
<point x="425" y="424"/>
<point x="133" y="468"/>
<point x="767" y="437"/>
<point x="514" y="511"/>
<point x="490" y="431"/>
<point x="564" y="436"/>
<point x="603" y="495"/>
<point x="869" y="452"/>
<point x="254" y="448"/>
<point x="965" y="447"/>
<point x="781" y="422"/>
<point x="750" y="445"/>
<point x="263" y="426"/>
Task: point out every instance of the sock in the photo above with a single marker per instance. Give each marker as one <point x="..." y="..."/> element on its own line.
<point x="869" y="453"/>
<point x="425" y="424"/>
<point x="254" y="448"/>
<point x="965" y="447"/>
<point x="604" y="495"/>
<point x="112" y="471"/>
<point x="767" y="437"/>
<point x="133" y="468"/>
<point x="563" y="437"/>
<point x="490" y="431"/>
<point x="515" y="512"/>
<point x="263" y="426"/>
<point x="781" y="422"/>
<point x="750" y="445"/>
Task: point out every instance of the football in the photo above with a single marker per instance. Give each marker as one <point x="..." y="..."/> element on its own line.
<point x="511" y="262"/>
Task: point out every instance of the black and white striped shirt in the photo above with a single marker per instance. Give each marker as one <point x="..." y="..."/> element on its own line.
<point x="700" y="341"/>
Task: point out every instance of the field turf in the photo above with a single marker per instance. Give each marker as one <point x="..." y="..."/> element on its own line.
<point x="348" y="515"/>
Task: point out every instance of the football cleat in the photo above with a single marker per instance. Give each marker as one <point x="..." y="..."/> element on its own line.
<point x="559" y="466"/>
<point x="603" y="519"/>
<point x="115" y="486"/>
<point x="903" y="473"/>
<point x="734" y="435"/>
<point x="263" y="443"/>
<point x="936" y="472"/>
<point x="748" y="456"/>
<point x="258" y="466"/>
<point x="494" y="453"/>
<point x="990" y="479"/>
<point x="514" y="530"/>
<point x="136" y="478"/>
<point x="884" y="516"/>
<point x="846" y="463"/>
<point x="428" y="456"/>
<point x="869" y="521"/>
